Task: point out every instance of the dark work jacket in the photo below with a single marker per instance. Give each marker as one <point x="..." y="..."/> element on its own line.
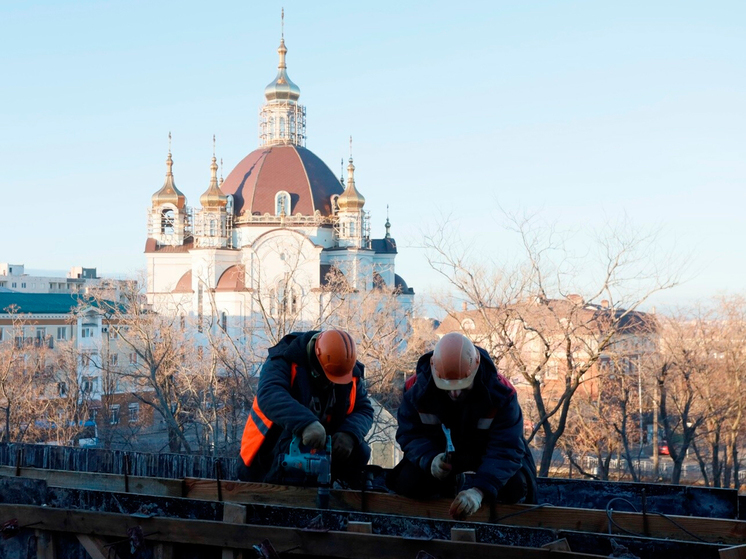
<point x="486" y="429"/>
<point x="287" y="409"/>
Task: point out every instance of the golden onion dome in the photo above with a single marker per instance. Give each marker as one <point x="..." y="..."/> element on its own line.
<point x="169" y="194"/>
<point x="213" y="197"/>
<point x="350" y="200"/>
<point x="281" y="88"/>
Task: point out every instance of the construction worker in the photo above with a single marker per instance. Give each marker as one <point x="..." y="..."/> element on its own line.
<point x="457" y="386"/>
<point x="311" y="387"/>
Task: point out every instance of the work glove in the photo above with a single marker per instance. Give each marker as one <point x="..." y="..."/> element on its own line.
<point x="466" y="503"/>
<point x="314" y="435"/>
<point x="439" y="468"/>
<point x="342" y="446"/>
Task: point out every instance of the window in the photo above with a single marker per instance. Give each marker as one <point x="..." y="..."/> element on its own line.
<point x="224" y="320"/>
<point x="133" y="358"/>
<point x="62" y="389"/>
<point x="1" y="334"/>
<point x="87" y="359"/>
<point x="113" y="359"/>
<point x="353" y="228"/>
<point x="468" y="324"/>
<point x="88" y="385"/>
<point x="282" y="203"/>
<point x="14" y="284"/>
<point x="335" y="203"/>
<point x="41" y="333"/>
<point x="133" y="411"/>
<point x="284" y="299"/>
<point x="113" y="333"/>
<point x="167" y="222"/>
<point x="114" y="415"/>
<point x="23" y="285"/>
<point x="282" y="127"/>
<point x="62" y="332"/>
<point x="93" y="415"/>
<point x="86" y="332"/>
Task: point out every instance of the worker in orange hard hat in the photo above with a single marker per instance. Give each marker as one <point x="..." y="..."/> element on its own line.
<point x="461" y="430"/>
<point x="310" y="387"/>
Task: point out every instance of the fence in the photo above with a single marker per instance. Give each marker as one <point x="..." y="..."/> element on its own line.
<point x="175" y="466"/>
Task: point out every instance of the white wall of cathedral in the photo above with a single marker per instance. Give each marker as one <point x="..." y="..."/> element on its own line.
<point x="383" y="264"/>
<point x="164" y="270"/>
<point x="355" y="264"/>
<point x="246" y="236"/>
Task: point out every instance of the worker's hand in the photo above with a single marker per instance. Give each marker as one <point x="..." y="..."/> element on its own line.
<point x="439" y="467"/>
<point x="342" y="446"/>
<point x="466" y="503"/>
<point x="314" y="435"/>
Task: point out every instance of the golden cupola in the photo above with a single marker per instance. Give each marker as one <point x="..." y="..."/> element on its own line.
<point x="213" y="197"/>
<point x="350" y="200"/>
<point x="169" y="194"/>
<point x="282" y="88"/>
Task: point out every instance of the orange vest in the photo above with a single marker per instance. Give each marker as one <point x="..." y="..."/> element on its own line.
<point x="258" y="424"/>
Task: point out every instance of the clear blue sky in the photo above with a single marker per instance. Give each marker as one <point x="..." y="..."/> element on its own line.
<point x="586" y="110"/>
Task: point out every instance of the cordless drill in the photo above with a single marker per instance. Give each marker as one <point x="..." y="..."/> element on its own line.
<point x="315" y="463"/>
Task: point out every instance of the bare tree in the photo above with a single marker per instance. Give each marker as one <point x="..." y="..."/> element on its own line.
<point x="162" y="346"/>
<point x="24" y="374"/>
<point x="551" y="313"/>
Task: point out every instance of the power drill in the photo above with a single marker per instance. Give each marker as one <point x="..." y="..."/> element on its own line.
<point x="317" y="463"/>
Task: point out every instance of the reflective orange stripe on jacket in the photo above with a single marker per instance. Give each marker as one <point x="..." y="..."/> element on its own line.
<point x="353" y="395"/>
<point x="258" y="424"/>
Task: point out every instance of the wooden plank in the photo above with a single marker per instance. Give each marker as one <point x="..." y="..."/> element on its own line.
<point x="241" y="536"/>
<point x="360" y="527"/>
<point x="235" y="513"/>
<point x="736" y="552"/>
<point x="463" y="535"/>
<point x="560" y="518"/>
<point x="558" y="545"/>
<point x="100" y="482"/>
<point x="45" y="548"/>
<point x="96" y="547"/>
<point x="163" y="551"/>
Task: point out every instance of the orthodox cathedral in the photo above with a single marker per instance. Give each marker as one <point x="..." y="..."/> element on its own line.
<point x="268" y="239"/>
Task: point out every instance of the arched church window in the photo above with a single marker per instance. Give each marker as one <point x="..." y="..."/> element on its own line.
<point x="271" y="127"/>
<point x="167" y="221"/>
<point x="282" y="203"/>
<point x="284" y="300"/>
<point x="353" y="228"/>
<point x="213" y="228"/>
<point x="282" y="126"/>
<point x="335" y="203"/>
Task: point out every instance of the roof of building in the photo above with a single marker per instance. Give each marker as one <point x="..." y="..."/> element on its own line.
<point x="40" y="303"/>
<point x="266" y="171"/>
<point x="382" y="246"/>
<point x="402" y="286"/>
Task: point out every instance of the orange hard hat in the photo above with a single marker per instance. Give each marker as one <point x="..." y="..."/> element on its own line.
<point x="455" y="362"/>
<point x="335" y="350"/>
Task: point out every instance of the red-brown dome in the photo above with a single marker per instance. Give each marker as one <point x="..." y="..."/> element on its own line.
<point x="266" y="171"/>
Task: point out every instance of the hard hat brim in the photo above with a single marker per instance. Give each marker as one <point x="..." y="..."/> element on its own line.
<point x="457" y="384"/>
<point x="344" y="379"/>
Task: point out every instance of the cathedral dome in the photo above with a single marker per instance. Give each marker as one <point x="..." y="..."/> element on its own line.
<point x="267" y="171"/>
<point x="169" y="194"/>
<point x="351" y="200"/>
<point x="282" y="88"/>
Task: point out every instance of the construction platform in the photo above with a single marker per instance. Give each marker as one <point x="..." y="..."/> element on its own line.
<point x="57" y="513"/>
